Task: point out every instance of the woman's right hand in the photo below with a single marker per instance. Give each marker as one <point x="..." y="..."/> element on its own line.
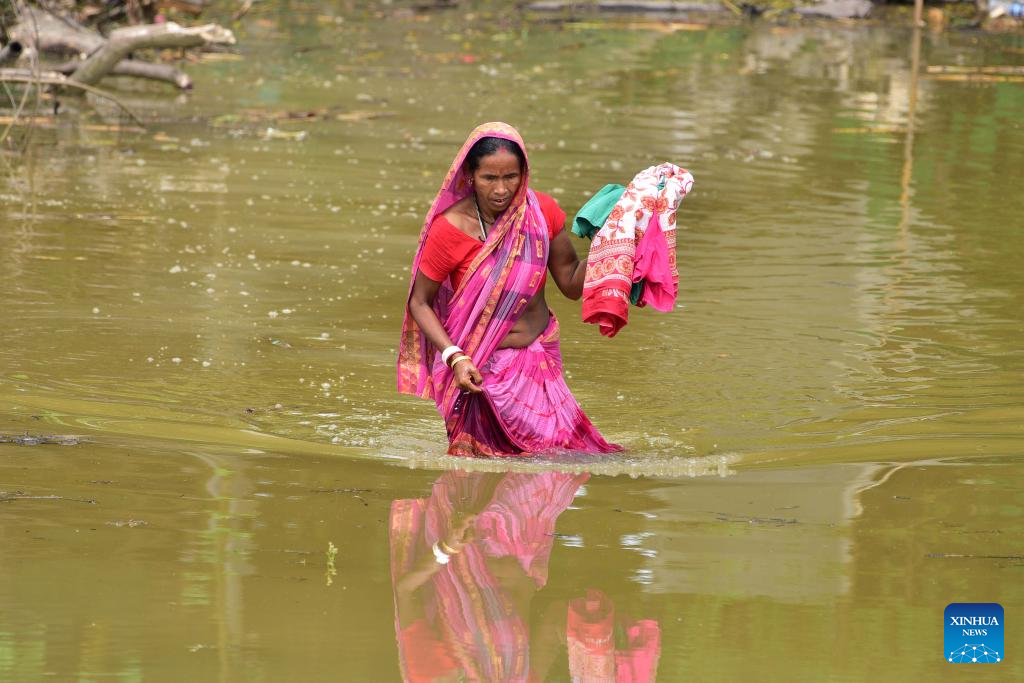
<point x="468" y="377"/>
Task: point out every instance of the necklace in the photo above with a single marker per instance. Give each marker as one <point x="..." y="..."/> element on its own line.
<point x="480" y="220"/>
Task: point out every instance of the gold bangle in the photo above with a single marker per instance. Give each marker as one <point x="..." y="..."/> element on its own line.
<point x="447" y="549"/>
<point x="459" y="360"/>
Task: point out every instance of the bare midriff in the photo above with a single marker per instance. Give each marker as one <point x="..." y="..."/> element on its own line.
<point x="530" y="324"/>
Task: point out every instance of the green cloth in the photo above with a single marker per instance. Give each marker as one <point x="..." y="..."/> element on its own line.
<point x="594" y="213"/>
<point x="636" y="292"/>
<point x="592" y="216"/>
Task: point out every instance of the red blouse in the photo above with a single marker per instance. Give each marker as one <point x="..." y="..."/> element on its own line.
<point x="449" y="251"/>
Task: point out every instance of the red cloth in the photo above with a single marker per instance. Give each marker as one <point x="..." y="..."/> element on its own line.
<point x="636" y="243"/>
<point x="427" y="656"/>
<point x="449" y="251"/>
<point x="654" y="263"/>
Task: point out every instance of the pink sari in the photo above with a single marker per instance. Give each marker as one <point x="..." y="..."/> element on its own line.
<point x="524" y="412"/>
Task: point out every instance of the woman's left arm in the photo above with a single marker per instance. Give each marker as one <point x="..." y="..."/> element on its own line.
<point x="566" y="267"/>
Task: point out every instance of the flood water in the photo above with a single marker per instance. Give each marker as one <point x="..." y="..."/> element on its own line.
<point x="825" y="440"/>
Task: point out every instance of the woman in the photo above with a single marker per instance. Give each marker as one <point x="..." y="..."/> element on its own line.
<point x="478" y="336"/>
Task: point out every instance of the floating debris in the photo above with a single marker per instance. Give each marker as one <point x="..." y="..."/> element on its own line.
<point x="275" y="134"/>
<point x="743" y="519"/>
<point x="21" y="495"/>
<point x="355" y="493"/>
<point x="132" y="523"/>
<point x="253" y="411"/>
<point x="27" y="439"/>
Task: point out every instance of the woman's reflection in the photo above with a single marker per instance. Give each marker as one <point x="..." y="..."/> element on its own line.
<point x="468" y="566"/>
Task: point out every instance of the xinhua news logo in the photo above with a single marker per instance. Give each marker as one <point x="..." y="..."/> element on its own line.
<point x="974" y="633"/>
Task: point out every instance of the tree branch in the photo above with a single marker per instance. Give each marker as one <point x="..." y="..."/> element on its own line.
<point x="123" y="41"/>
<point x="165" y="73"/>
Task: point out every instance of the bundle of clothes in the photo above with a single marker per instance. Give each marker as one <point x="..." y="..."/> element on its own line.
<point x="632" y="257"/>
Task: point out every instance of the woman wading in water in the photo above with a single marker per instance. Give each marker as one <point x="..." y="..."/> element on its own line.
<point x="478" y="336"/>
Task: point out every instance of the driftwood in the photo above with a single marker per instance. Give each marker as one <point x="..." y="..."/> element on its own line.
<point x="124" y="41"/>
<point x="165" y="73"/>
<point x="97" y="56"/>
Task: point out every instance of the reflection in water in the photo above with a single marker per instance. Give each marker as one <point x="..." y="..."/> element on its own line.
<point x="224" y="547"/>
<point x="484" y="614"/>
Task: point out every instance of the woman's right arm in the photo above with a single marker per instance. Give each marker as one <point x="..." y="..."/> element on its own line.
<point x="421" y="308"/>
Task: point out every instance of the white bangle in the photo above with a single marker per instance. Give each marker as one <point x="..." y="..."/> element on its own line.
<point x="439" y="555"/>
<point x="449" y="352"/>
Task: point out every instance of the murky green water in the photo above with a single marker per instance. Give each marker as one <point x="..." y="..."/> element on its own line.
<point x="826" y="438"/>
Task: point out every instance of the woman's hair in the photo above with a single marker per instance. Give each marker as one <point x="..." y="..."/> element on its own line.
<point x="485" y="147"/>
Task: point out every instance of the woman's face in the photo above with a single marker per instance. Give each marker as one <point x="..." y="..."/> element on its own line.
<point x="496" y="180"/>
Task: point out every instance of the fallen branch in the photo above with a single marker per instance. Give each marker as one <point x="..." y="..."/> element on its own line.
<point x="126" y="40"/>
<point x="54" y="78"/>
<point x="98" y="56"/>
<point x="164" y="73"/>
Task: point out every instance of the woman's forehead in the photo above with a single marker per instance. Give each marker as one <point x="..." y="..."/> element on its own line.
<point x="502" y="161"/>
